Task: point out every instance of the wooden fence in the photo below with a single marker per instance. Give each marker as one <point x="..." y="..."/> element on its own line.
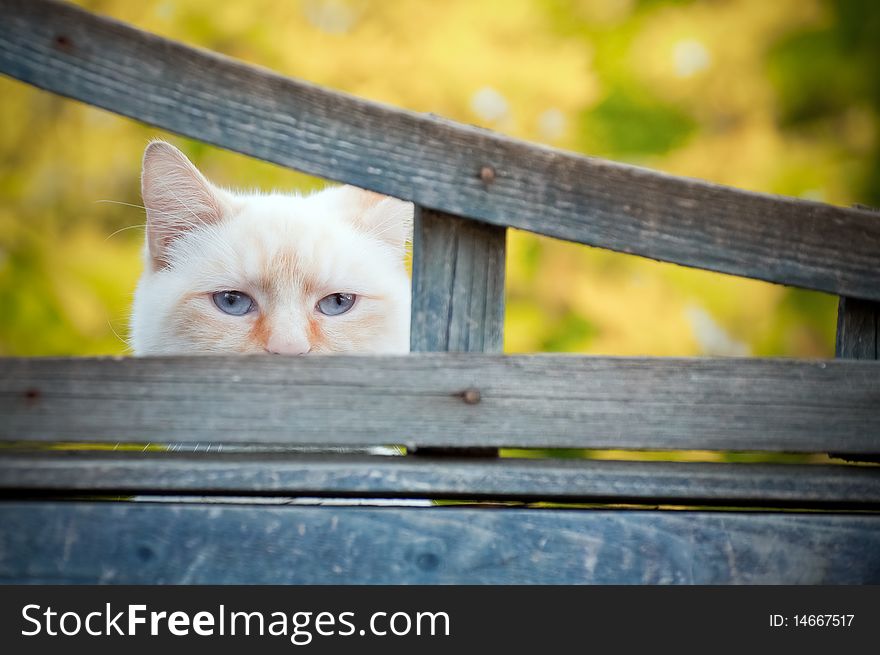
<point x="793" y="523"/>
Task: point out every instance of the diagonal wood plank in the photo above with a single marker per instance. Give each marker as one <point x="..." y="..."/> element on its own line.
<point x="434" y="162"/>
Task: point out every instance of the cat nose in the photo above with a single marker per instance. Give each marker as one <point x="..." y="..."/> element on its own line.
<point x="288" y="346"/>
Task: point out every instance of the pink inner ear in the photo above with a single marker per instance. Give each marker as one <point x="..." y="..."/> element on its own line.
<point x="384" y="217"/>
<point x="370" y="199"/>
<point x="177" y="197"/>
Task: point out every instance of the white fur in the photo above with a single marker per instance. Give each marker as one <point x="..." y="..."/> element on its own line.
<point x="285" y="251"/>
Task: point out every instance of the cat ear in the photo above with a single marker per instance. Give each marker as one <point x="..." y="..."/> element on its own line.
<point x="177" y="198"/>
<point x="383" y="217"/>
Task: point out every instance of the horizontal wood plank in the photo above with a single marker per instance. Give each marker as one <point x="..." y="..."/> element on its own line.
<point x="146" y="543"/>
<point x="436" y="163"/>
<point x="571" y="481"/>
<point x="448" y="400"/>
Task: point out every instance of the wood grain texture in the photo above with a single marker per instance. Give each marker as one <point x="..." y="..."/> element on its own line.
<point x="458" y="295"/>
<point x="858" y="323"/>
<point x="458" y="284"/>
<point x="671" y="483"/>
<point x="421" y="400"/>
<point x="434" y="162"/>
<point x="146" y="543"/>
<point x="858" y="337"/>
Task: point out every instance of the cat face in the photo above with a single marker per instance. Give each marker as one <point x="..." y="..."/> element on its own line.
<point x="233" y="273"/>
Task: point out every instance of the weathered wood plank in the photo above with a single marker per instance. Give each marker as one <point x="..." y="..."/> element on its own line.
<point x="858" y="322"/>
<point x="146" y="543"/>
<point x="672" y="483"/>
<point x="458" y="293"/>
<point x="434" y="162"/>
<point x="448" y="400"/>
<point x="458" y="284"/>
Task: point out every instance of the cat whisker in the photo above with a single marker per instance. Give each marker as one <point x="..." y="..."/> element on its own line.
<point x="123" y="229"/>
<point x="116" y="334"/>
<point x="130" y="204"/>
<point x="119" y="202"/>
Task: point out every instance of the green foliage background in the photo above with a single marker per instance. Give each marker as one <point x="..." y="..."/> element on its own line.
<point x="781" y="97"/>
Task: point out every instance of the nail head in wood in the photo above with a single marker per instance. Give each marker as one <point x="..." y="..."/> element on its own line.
<point x="471" y="396"/>
<point x="63" y="42"/>
<point x="487" y="174"/>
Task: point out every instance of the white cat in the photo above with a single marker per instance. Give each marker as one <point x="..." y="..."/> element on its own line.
<point x="248" y="273"/>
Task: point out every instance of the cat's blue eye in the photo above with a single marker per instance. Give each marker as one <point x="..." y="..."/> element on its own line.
<point x="336" y="303"/>
<point x="234" y="303"/>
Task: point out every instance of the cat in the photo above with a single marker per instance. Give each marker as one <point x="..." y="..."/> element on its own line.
<point x="228" y="272"/>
